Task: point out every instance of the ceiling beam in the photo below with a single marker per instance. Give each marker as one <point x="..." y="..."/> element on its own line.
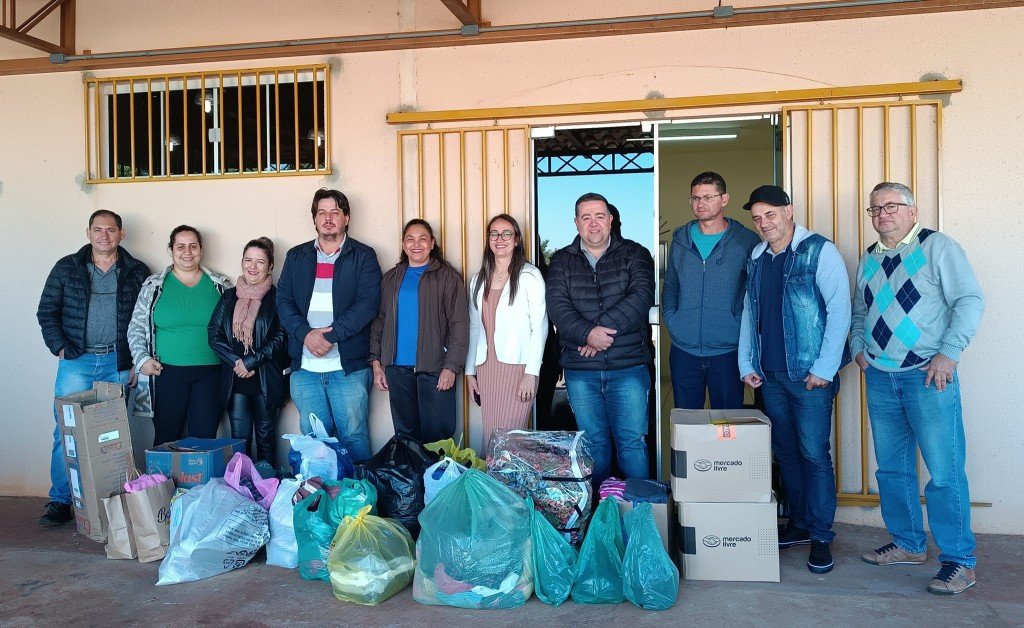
<point x="464" y="12"/>
<point x="778" y="14"/>
<point x="39" y="15"/>
<point x="67" y="26"/>
<point x="28" y="40"/>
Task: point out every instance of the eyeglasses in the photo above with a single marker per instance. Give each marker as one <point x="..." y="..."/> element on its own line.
<point x="890" y="208"/>
<point x="500" y="235"/>
<point x="707" y="198"/>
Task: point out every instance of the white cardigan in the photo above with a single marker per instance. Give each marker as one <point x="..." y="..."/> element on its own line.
<point x="521" y="328"/>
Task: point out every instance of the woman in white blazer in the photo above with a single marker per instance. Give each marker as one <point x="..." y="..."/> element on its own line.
<point x="508" y="324"/>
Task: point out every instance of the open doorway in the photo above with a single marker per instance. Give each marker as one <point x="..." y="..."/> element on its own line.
<point x="616" y="161"/>
<point x="747" y="151"/>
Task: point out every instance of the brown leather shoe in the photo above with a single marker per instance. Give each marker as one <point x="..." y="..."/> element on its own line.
<point x="889" y="554"/>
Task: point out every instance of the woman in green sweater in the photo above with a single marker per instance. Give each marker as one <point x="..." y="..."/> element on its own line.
<point x="170" y="321"/>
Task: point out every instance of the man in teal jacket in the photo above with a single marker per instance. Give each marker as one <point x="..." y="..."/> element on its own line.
<point x="703" y="299"/>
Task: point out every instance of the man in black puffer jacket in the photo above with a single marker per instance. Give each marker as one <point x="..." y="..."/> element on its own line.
<point x="84" y="313"/>
<point x="600" y="290"/>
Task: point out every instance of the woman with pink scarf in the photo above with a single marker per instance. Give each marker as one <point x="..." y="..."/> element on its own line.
<point x="247" y="335"/>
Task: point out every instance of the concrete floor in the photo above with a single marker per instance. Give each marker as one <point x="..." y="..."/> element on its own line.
<point x="56" y="576"/>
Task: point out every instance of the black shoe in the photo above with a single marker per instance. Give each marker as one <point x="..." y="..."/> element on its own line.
<point x="820" y="558"/>
<point x="791" y="535"/>
<point x="56" y="514"/>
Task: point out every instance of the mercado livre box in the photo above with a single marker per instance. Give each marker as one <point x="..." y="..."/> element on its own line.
<point x="97" y="451"/>
<point x="729" y="541"/>
<point x="193" y="461"/>
<point x="721" y="456"/>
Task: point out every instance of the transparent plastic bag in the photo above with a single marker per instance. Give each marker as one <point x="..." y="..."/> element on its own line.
<point x="371" y="559"/>
<point x="219" y="530"/>
<point x="552" y="468"/>
<point x="649" y="578"/>
<point x="474" y="547"/>
<point x="554" y="560"/>
<point x="599" y="568"/>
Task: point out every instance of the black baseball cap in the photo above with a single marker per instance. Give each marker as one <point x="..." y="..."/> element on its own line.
<point x="771" y="194"/>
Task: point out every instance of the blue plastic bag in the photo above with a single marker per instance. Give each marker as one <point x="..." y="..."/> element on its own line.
<point x="554" y="560"/>
<point x="599" y="568"/>
<point x="649" y="578"/>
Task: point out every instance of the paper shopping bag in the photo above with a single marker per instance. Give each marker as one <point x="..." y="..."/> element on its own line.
<point x="120" y="542"/>
<point x="150" y="511"/>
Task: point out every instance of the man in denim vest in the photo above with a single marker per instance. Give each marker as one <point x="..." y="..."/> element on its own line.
<point x="796" y="316"/>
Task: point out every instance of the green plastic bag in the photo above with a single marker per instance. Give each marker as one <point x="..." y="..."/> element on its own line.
<point x="371" y="559"/>
<point x="649" y="578"/>
<point x="353" y="495"/>
<point x="554" y="560"/>
<point x="317" y="517"/>
<point x="599" y="568"/>
<point x="474" y="546"/>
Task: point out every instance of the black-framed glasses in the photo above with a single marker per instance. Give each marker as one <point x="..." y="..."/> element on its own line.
<point x="889" y="208"/>
<point x="500" y="235"/>
<point x="707" y="198"/>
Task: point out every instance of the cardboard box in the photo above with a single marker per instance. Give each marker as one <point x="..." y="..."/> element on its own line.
<point x="721" y="456"/>
<point x="97" y="451"/>
<point x="729" y="541"/>
<point x="661" y="520"/>
<point x="193" y="461"/>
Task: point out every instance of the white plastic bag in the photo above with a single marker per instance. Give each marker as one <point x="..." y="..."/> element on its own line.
<point x="219" y="530"/>
<point x="317" y="458"/>
<point x="439" y="476"/>
<point x="282" y="550"/>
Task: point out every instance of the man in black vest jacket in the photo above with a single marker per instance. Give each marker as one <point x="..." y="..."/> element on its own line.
<point x="84" y="312"/>
<point x="600" y="290"/>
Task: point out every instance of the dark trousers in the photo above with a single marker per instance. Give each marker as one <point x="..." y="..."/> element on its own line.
<point x="418" y="409"/>
<point x="189" y="394"/>
<point x="250" y="413"/>
<point x="694" y="378"/>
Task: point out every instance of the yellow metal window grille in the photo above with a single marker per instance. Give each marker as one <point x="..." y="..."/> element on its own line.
<point x="260" y="122"/>
<point x="457" y="179"/>
<point x="832" y="156"/>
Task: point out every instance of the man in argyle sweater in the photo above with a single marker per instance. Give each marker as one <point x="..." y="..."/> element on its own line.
<point x="916" y="307"/>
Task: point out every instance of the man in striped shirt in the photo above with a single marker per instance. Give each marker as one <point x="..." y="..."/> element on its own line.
<point x="327" y="296"/>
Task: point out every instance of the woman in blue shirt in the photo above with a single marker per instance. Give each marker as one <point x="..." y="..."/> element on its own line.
<point x="419" y="340"/>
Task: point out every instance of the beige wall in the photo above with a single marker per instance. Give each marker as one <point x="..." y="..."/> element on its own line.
<point x="44" y="203"/>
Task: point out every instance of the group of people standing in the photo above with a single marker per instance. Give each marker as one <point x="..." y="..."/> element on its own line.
<point x="772" y="312"/>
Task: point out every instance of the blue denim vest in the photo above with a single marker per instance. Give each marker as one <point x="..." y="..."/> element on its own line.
<point x="803" y="309"/>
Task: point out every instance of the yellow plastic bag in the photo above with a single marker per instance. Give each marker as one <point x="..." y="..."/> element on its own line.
<point x="371" y="559"/>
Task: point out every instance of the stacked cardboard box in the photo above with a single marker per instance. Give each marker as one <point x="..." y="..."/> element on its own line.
<point x="97" y="451"/>
<point x="721" y="486"/>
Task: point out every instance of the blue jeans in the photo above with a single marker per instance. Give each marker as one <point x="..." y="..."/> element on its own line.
<point x="906" y="415"/>
<point x="612" y="404"/>
<point x="718" y="375"/>
<point x="338" y="399"/>
<point x="801" y="427"/>
<point x="75" y="376"/>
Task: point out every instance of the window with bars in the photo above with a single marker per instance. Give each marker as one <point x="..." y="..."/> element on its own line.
<point x="249" y="123"/>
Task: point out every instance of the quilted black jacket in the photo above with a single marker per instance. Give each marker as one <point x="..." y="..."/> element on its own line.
<point x="64" y="305"/>
<point x="618" y="294"/>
